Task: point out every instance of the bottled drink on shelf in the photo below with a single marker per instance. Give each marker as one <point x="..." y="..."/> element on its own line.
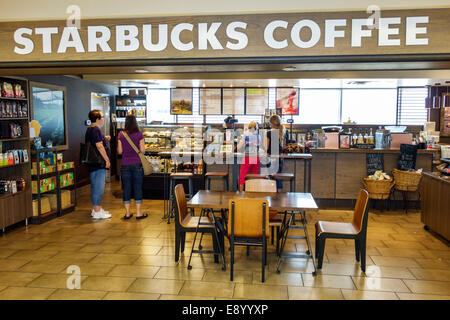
<point x="354" y="139"/>
<point x="360" y="138"/>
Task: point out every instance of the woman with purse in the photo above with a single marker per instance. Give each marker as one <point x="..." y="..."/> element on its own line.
<point x="130" y="142"/>
<point x="97" y="171"/>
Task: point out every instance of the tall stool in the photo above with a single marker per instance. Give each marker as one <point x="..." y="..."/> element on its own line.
<point x="285" y="177"/>
<point x="255" y="176"/>
<point x="174" y="177"/>
<point x="216" y="175"/>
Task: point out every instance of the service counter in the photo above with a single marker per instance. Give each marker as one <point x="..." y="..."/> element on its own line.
<point x="336" y="174"/>
<point x="436" y="204"/>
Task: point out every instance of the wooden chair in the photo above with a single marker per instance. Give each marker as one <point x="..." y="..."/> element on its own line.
<point x="248" y="225"/>
<point x="357" y="230"/>
<point x="275" y="220"/>
<point x="184" y="222"/>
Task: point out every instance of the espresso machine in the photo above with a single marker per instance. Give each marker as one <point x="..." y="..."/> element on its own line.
<point x="382" y="139"/>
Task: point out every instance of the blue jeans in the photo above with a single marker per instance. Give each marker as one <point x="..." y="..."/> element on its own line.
<point x="97" y="186"/>
<point x="132" y="180"/>
<point x="280" y="169"/>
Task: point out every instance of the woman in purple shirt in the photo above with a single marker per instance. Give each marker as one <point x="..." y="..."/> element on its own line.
<point x="131" y="170"/>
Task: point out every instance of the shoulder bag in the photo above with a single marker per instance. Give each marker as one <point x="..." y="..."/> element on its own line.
<point x="145" y="164"/>
<point x="90" y="156"/>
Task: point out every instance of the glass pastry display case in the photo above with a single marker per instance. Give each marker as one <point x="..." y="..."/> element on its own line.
<point x="160" y="138"/>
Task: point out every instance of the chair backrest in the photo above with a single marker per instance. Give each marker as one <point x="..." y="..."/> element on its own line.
<point x="246" y="217"/>
<point x="181" y="209"/>
<point x="260" y="185"/>
<point x="361" y="211"/>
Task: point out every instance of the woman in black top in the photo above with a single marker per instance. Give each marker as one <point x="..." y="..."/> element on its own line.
<point x="277" y="130"/>
<point x="97" y="173"/>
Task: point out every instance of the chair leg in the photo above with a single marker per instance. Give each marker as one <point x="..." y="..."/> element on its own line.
<point x="248" y="251"/>
<point x="177" y="245"/>
<point x="215" y="247"/>
<point x="264" y="259"/>
<point x="231" y="260"/>
<point x="357" y="249"/>
<point x="278" y="241"/>
<point x="183" y="240"/>
<point x="316" y="248"/>
<point x="272" y="233"/>
<point x="363" y="254"/>
<point x="322" y="252"/>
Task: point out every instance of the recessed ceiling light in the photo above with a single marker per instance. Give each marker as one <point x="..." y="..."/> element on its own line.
<point x="290" y="68"/>
<point x="141" y="71"/>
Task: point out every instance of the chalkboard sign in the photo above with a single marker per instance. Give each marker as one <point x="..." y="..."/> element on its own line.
<point x="374" y="162"/>
<point x="407" y="158"/>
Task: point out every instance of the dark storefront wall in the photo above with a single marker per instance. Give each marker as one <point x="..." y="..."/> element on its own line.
<point x="78" y="106"/>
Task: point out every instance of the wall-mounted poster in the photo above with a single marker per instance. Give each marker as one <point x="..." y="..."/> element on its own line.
<point x="181" y="101"/>
<point x="257" y="101"/>
<point x="49" y="110"/>
<point x="233" y="101"/>
<point x="210" y="101"/>
<point x="288" y="100"/>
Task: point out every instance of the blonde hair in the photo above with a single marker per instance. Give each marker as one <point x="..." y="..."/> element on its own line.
<point x="276" y="122"/>
<point x="253" y="125"/>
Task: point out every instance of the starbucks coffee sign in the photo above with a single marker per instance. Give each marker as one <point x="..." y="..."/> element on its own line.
<point x="259" y="35"/>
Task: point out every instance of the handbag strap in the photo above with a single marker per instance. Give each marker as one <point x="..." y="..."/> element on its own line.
<point x="131" y="142"/>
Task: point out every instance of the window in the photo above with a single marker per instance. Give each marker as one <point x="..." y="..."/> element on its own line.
<point x="411" y="106"/>
<point x="158" y="101"/>
<point x="369" y="106"/>
<point x="319" y="106"/>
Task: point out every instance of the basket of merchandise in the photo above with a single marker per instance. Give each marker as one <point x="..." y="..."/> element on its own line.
<point x="407" y="180"/>
<point x="378" y="185"/>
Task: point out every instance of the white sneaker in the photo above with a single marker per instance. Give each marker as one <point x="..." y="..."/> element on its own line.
<point x="105" y="213"/>
<point x="100" y="215"/>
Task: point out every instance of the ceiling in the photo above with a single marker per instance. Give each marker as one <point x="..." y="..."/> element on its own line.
<point x="302" y="83"/>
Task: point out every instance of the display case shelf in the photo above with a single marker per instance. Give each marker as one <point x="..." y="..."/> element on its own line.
<point x="12" y="119"/>
<point x="14" y="139"/>
<point x="14" y="165"/>
<point x="14" y="99"/>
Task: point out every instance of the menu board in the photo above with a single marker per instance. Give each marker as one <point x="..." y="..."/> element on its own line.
<point x="288" y="101"/>
<point x="181" y="101"/>
<point x="233" y="101"/>
<point x="407" y="158"/>
<point x="210" y="101"/>
<point x="374" y="162"/>
<point x="257" y="100"/>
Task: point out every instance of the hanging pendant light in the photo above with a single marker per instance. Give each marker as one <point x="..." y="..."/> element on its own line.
<point x="428" y="99"/>
<point x="446" y="102"/>
<point x="437" y="98"/>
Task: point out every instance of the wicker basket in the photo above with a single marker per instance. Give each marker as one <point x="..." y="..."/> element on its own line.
<point x="406" y="180"/>
<point x="378" y="189"/>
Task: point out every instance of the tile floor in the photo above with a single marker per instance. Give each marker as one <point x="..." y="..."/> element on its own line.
<point x="135" y="260"/>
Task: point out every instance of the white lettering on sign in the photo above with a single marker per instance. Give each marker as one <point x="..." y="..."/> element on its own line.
<point x="358" y="32"/>
<point x="206" y="35"/>
<point x="277" y="35"/>
<point x="66" y="42"/>
<point x="269" y="31"/>
<point x="147" y="37"/>
<point x="126" y="38"/>
<point x="27" y="43"/>
<point x="100" y="41"/>
<point x="240" y="37"/>
<point x="315" y="33"/>
<point x="412" y="31"/>
<point x="46" y="38"/>
<point x="331" y="33"/>
<point x="175" y="37"/>
<point x="385" y="31"/>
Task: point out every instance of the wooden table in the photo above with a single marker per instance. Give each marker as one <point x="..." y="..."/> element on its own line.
<point x="280" y="201"/>
<point x="287" y="202"/>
